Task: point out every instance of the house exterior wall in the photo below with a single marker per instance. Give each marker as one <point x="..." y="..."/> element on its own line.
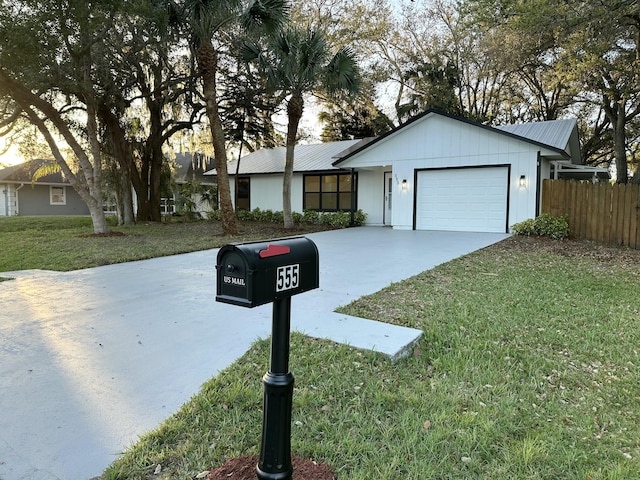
<point x="370" y="189"/>
<point x="8" y="200"/>
<point x="266" y="192"/>
<point x="444" y="142"/>
<point x="35" y="200"/>
<point x="4" y="211"/>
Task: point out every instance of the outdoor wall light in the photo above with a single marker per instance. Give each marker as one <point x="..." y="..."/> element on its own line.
<point x="523" y="181"/>
<point x="405" y="185"/>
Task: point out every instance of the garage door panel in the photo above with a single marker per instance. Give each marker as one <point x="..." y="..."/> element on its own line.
<point x="468" y="199"/>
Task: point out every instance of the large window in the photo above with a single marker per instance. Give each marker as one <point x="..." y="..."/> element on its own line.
<point x="327" y="192"/>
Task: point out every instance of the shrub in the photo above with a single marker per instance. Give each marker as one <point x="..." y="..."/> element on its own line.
<point x="335" y="219"/>
<point x="214" y="215"/>
<point x="545" y="225"/>
<point x="528" y="227"/>
<point x="297" y="217"/>
<point x="359" y="218"/>
<point x="311" y="216"/>
<point x="552" y="227"/>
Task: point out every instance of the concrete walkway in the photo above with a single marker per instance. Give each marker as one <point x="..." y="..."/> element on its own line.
<point x="92" y="359"/>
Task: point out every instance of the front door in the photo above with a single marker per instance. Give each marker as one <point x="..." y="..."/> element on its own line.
<point x="388" y="197"/>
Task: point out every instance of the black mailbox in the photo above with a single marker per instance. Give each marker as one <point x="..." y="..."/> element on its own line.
<point x="255" y="273"/>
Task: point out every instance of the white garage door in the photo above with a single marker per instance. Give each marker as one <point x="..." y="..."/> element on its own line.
<point x="462" y="199"/>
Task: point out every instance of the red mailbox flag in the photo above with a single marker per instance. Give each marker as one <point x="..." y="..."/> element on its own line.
<point x="274" y="250"/>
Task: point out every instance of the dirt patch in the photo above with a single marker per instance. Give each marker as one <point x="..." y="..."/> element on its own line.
<point x="98" y="235"/>
<point x="244" y="468"/>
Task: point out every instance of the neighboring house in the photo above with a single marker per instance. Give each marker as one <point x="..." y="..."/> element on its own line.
<point x="436" y="172"/>
<point x="190" y="169"/>
<point x="49" y="195"/>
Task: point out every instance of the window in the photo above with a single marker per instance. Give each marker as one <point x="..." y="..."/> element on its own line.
<point x="243" y="196"/>
<point x="328" y="192"/>
<point x="57" y="195"/>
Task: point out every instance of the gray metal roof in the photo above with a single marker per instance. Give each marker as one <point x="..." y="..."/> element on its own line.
<point x="555" y="133"/>
<point x="308" y="158"/>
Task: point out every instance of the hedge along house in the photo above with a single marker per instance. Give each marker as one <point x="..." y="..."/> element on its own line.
<point x="436" y="172"/>
<point x="50" y="195"/>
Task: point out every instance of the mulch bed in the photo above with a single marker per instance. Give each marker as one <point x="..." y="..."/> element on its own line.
<point x="244" y="468"/>
<point x="610" y="257"/>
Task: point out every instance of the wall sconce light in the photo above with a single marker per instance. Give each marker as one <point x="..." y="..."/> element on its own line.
<point x="405" y="185"/>
<point x="523" y="181"/>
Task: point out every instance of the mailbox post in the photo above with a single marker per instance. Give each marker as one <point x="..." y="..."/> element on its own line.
<point x="257" y="273"/>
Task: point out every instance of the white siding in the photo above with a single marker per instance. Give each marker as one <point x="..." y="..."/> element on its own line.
<point x="4" y="210"/>
<point x="266" y="192"/>
<point x="437" y="142"/>
<point x="370" y="201"/>
<point x="8" y="200"/>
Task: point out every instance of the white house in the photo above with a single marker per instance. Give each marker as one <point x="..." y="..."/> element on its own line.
<point x="436" y="172"/>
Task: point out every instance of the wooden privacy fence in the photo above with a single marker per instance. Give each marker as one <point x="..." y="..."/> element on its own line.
<point x="601" y="212"/>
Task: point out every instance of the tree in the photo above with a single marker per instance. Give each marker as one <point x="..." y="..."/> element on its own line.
<point x="50" y="74"/>
<point x="590" y="49"/>
<point x="432" y="84"/>
<point x="150" y="98"/>
<point x="299" y="63"/>
<point x="209" y="22"/>
<point x="353" y="119"/>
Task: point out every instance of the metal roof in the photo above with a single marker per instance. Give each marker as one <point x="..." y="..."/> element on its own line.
<point x="560" y="135"/>
<point x="555" y="133"/>
<point x="308" y="158"/>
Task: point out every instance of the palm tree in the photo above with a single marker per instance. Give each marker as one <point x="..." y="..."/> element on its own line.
<point x="300" y="63"/>
<point x="208" y="21"/>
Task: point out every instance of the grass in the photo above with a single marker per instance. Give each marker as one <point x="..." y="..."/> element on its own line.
<point x="528" y="369"/>
<point x="66" y="243"/>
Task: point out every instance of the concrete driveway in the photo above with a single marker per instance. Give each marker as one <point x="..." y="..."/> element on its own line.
<point x="91" y="359"/>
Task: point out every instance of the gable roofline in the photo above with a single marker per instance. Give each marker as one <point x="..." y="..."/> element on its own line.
<point x="434" y="111"/>
<point x="23" y="173"/>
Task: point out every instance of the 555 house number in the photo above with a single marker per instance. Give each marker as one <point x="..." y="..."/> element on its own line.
<point x="287" y="277"/>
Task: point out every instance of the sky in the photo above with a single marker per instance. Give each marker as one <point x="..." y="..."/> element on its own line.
<point x="11" y="157"/>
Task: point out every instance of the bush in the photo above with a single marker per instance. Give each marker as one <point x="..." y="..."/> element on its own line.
<point x="335" y="219"/>
<point x="528" y="227"/>
<point x="545" y="225"/>
<point x="359" y="218"/>
<point x="311" y="216"/>
<point x="552" y="227"/>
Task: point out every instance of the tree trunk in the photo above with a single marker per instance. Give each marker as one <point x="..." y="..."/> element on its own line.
<point x="122" y="152"/>
<point x="156" y="159"/>
<point x="614" y="109"/>
<point x="207" y="59"/>
<point x="125" y="211"/>
<point x="295" y="107"/>
<point x="84" y="185"/>
<point x="619" y="145"/>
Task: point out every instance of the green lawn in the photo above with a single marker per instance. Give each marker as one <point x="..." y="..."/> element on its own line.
<point x="528" y="369"/>
<point x="67" y="243"/>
